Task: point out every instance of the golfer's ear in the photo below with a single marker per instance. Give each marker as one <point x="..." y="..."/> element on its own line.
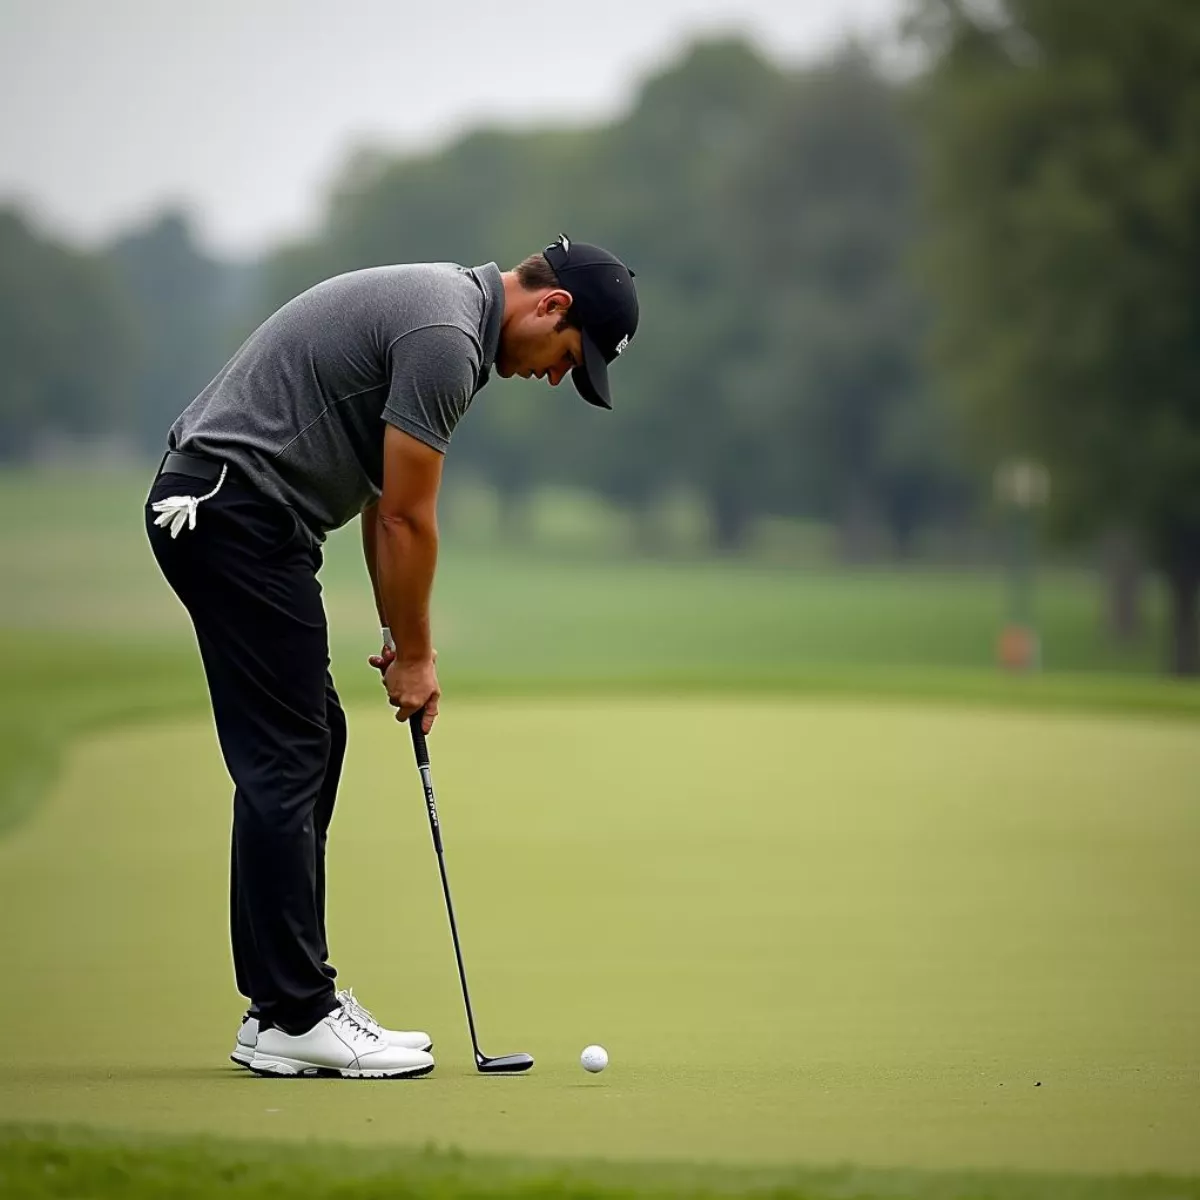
<point x="412" y="475"/>
<point x="558" y="302"/>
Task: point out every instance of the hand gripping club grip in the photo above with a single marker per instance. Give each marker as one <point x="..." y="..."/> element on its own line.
<point x="420" y="749"/>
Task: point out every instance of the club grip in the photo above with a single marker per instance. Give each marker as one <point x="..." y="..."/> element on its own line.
<point x="420" y="749"/>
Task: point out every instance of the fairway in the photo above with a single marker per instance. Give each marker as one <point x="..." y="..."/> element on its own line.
<point x="806" y="933"/>
<point x="520" y="616"/>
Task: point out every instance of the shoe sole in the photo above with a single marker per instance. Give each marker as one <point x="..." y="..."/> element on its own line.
<point x="281" y="1068"/>
<point x="245" y="1060"/>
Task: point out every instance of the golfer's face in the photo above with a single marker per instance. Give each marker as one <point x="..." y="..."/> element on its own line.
<point x="553" y="356"/>
<point x="538" y="349"/>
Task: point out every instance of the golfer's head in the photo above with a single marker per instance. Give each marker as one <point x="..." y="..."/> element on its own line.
<point x="574" y="311"/>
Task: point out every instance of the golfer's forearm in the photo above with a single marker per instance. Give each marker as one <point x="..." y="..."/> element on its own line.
<point x="405" y="560"/>
<point x="370" y="517"/>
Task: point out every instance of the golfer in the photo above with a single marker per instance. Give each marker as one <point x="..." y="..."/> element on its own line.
<point x="341" y="405"/>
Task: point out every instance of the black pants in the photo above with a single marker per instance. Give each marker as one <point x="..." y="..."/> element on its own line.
<point x="247" y="575"/>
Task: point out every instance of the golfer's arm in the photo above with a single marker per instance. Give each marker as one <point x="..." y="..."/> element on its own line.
<point x="404" y="541"/>
<point x="370" y="518"/>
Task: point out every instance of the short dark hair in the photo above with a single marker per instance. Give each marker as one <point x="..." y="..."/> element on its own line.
<point x="535" y="273"/>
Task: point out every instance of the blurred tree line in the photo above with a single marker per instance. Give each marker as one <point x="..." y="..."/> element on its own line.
<point x="1064" y="186"/>
<point x="768" y="215"/>
<point x="113" y="342"/>
<point x="859" y="294"/>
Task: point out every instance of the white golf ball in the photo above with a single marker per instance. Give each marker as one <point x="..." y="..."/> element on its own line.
<point x="594" y="1058"/>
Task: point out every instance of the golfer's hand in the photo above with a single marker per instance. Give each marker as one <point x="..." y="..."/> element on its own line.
<point x="385" y="658"/>
<point x="412" y="686"/>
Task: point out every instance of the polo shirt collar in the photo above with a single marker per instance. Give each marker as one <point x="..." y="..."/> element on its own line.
<point x="492" y="286"/>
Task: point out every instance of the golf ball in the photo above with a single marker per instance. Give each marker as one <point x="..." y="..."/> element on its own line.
<point x="594" y="1058"/>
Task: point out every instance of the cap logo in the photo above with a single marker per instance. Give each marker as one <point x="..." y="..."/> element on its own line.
<point x="621" y="345"/>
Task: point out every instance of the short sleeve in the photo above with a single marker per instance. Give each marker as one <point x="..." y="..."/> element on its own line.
<point x="433" y="373"/>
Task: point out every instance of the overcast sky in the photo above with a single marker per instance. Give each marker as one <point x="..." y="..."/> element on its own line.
<point x="244" y="109"/>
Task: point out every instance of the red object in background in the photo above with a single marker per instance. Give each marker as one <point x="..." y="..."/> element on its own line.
<point x="1017" y="648"/>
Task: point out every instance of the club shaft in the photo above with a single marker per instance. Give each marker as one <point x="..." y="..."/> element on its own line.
<point x="462" y="972"/>
<point x="435" y="827"/>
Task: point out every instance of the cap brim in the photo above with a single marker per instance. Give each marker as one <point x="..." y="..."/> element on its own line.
<point x="591" y="379"/>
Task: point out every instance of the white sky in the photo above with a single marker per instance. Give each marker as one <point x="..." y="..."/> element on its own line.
<point x="245" y="109"/>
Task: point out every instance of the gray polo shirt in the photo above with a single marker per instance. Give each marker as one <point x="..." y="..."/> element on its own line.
<point x="300" y="408"/>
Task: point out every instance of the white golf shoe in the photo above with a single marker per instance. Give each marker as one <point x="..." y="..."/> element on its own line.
<point x="337" y="1046"/>
<point x="247" y="1039"/>
<point x="405" y="1039"/>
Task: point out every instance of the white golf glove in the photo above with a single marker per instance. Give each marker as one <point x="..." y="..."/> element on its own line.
<point x="178" y="511"/>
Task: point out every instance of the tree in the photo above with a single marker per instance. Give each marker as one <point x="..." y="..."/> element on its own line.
<point x="1064" y="143"/>
<point x="829" y="198"/>
<point x="662" y="188"/>
<point x="187" y="314"/>
<point x="67" y="340"/>
<point x="767" y="214"/>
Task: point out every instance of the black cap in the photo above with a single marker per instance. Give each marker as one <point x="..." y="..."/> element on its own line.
<point x="604" y="304"/>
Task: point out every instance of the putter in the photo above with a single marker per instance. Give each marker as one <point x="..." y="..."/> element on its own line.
<point x="505" y="1064"/>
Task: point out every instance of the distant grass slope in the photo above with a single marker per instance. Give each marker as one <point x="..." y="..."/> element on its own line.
<point x="90" y="633"/>
<point x="76" y="562"/>
<point x="54" y="686"/>
<point x="38" y="1162"/>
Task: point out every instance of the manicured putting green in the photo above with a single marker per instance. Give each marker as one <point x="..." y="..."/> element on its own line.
<point x="805" y="933"/>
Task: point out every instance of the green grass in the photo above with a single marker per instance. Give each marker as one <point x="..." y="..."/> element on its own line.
<point x="36" y="1162"/>
<point x="56" y="686"/>
<point x="795" y="813"/>
<point x="76" y="563"/>
<point x="91" y="635"/>
<point x="806" y="932"/>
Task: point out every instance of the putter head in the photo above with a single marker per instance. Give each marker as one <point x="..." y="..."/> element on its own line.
<point x="506" y="1064"/>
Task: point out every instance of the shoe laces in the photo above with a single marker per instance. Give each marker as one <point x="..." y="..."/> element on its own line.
<point x="358" y="1012"/>
<point x="345" y="1016"/>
